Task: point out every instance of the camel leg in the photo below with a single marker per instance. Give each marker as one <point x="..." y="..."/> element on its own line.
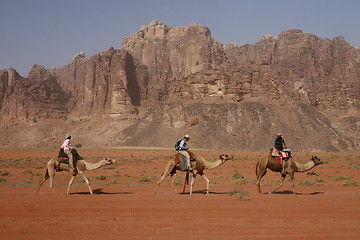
<point x="46" y="176"/>
<point x="281" y="183"/>
<point x="42" y="181"/>
<point x="292" y="182"/>
<point x="260" y="173"/>
<point x="173" y="182"/>
<point x="51" y="176"/>
<point x="207" y="183"/>
<point x="192" y="182"/>
<point x="40" y="184"/>
<point x="159" y="182"/>
<point x="168" y="169"/>
<point x="87" y="181"/>
<point x="259" y="177"/>
<point x="70" y="182"/>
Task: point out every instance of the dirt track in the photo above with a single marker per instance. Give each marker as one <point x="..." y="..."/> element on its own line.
<point x="125" y="208"/>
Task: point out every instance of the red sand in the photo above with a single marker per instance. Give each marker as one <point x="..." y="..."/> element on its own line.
<point x="124" y="206"/>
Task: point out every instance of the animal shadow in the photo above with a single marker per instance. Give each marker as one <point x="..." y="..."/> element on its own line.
<point x="100" y="191"/>
<point x="296" y="193"/>
<point x="203" y="192"/>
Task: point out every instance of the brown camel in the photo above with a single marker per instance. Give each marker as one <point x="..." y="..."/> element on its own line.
<point x="81" y="166"/>
<point x="291" y="166"/>
<point x="198" y="164"/>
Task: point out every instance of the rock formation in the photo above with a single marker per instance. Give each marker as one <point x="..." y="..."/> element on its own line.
<point x="167" y="81"/>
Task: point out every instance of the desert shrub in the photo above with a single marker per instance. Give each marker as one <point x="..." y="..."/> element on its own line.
<point x="78" y="145"/>
<point x="113" y="181"/>
<point x="349" y="182"/>
<point x="101" y="177"/>
<point x="239" y="194"/>
<point x="145" y="179"/>
<point x="109" y="168"/>
<point x="307" y="182"/>
<point x="346" y="180"/>
<point x="2" y="180"/>
<point x="4" y="173"/>
<point x="342" y="178"/>
<point x="237" y="175"/>
<point x="319" y="179"/>
<point x="27" y="171"/>
<point x="178" y="181"/>
<point x="270" y="182"/>
<point x="240" y="181"/>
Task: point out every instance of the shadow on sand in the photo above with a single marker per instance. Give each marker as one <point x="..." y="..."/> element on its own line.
<point x="296" y="193"/>
<point x="203" y="192"/>
<point x="100" y="191"/>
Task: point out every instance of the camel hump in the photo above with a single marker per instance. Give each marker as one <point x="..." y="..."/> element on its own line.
<point x="192" y="156"/>
<point x="177" y="159"/>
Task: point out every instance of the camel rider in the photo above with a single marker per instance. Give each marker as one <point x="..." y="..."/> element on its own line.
<point x="280" y="146"/>
<point x="279" y="142"/>
<point x="183" y="154"/>
<point x="67" y="149"/>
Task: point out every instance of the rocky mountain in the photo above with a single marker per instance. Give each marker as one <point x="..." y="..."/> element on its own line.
<point x="164" y="82"/>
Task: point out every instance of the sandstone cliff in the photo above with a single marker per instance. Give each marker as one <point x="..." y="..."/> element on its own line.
<point x="167" y="81"/>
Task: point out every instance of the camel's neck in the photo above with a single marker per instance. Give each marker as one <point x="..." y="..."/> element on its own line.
<point x="212" y="164"/>
<point x="303" y="167"/>
<point x="92" y="166"/>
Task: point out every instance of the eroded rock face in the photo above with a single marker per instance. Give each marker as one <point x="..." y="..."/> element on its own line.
<point x="170" y="54"/>
<point x="167" y="81"/>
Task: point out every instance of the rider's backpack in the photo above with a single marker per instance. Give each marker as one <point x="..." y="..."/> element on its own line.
<point x="177" y="145"/>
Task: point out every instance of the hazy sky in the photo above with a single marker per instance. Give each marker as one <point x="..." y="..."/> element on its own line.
<point x="50" y="32"/>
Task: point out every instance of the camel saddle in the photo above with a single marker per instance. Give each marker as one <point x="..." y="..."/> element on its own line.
<point x="192" y="158"/>
<point x="281" y="156"/>
<point x="63" y="157"/>
<point x="284" y="154"/>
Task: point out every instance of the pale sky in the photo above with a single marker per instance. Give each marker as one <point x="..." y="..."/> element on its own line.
<point x="50" y="32"/>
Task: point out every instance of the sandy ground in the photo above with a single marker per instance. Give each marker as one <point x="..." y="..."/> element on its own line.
<point x="326" y="206"/>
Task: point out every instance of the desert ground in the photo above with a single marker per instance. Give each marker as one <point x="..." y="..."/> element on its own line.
<point x="326" y="204"/>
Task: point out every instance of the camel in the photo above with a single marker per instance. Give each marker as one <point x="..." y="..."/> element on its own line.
<point x="291" y="166"/>
<point x="81" y="165"/>
<point x="198" y="164"/>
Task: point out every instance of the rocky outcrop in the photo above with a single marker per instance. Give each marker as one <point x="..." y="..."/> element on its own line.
<point x="166" y="81"/>
<point x="312" y="69"/>
<point x="38" y="96"/>
<point x="170" y="54"/>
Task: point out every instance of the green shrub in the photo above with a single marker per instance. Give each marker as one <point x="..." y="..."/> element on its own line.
<point x="112" y="181"/>
<point x="145" y="179"/>
<point x="237" y="175"/>
<point x="178" y="181"/>
<point x="239" y="194"/>
<point x="27" y="171"/>
<point x="101" y="177"/>
<point x="240" y="181"/>
<point x="349" y="183"/>
<point x="307" y="182"/>
<point x="319" y="179"/>
<point x="342" y="178"/>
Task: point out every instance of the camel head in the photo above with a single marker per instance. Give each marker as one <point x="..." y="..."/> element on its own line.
<point x="109" y="161"/>
<point x="316" y="160"/>
<point x="224" y="157"/>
